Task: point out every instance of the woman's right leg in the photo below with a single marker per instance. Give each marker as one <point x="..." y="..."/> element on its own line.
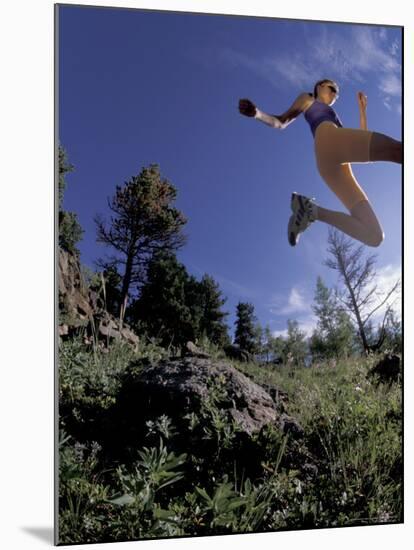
<point x="361" y="223"/>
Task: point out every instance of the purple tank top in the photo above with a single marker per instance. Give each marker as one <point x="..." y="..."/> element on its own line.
<point x="318" y="112"/>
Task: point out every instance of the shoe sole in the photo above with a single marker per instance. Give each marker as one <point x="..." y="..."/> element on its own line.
<point x="292" y="237"/>
<point x="296" y="205"/>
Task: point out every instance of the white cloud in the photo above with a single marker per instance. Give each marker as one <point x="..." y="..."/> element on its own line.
<point x="296" y="303"/>
<point x="390" y="85"/>
<point x="362" y="53"/>
<point x="227" y="285"/>
<point x="282" y="333"/>
<point x="386" y="278"/>
<point x="386" y="102"/>
<point x="394" y="48"/>
<point x="306" y="325"/>
<point x="235" y="288"/>
<point x="382" y="33"/>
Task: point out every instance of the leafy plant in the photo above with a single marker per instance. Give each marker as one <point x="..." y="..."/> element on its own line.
<point x="140" y="515"/>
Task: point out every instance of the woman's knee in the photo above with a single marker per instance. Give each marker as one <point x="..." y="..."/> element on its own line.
<point x="375" y="237"/>
<point x="373" y="234"/>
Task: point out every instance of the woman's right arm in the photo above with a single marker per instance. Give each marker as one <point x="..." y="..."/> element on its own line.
<point x="280" y="122"/>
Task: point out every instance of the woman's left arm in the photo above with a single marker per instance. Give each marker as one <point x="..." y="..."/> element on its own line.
<point x="362" y="102"/>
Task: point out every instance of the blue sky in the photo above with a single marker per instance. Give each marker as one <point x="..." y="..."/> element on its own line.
<point x="142" y="87"/>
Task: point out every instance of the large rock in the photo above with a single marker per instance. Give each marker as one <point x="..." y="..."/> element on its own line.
<point x="81" y="306"/>
<point x="387" y="370"/>
<point x="109" y="329"/>
<point x="191" y="350"/>
<point x="176" y="386"/>
<point x="73" y="294"/>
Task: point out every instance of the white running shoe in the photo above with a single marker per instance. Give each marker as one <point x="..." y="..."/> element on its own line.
<point x="304" y="213"/>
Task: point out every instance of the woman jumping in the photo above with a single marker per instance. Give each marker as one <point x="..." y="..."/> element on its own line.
<point x="335" y="148"/>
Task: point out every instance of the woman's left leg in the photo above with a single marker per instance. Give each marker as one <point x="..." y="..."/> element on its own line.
<point x="361" y="224"/>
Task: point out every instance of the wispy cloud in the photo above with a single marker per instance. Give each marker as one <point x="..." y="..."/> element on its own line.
<point x="296" y="303"/>
<point x="356" y="53"/>
<point x="390" y="85"/>
<point x="394" y="48"/>
<point x="228" y="286"/>
<point x="235" y="289"/>
<point x="306" y="324"/>
<point x="386" y="278"/>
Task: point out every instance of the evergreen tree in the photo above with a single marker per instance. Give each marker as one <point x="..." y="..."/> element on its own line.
<point x="70" y="231"/>
<point x="175" y="307"/>
<point x="161" y="310"/>
<point x="212" y="317"/>
<point x="333" y="336"/>
<point x="245" y="336"/>
<point x="64" y="168"/>
<point x="143" y="222"/>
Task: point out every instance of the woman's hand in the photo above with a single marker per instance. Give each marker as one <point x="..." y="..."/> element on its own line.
<point x="362" y="101"/>
<point x="247" y="108"/>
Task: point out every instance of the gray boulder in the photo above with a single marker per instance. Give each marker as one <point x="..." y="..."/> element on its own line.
<point x="79" y="307"/>
<point x="177" y="386"/>
<point x="387" y="370"/>
<point x="191" y="350"/>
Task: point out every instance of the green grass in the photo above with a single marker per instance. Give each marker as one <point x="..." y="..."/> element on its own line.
<point x="205" y="481"/>
<point x="354" y="428"/>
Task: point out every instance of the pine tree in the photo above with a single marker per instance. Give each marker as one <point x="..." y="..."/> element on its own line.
<point x="245" y="336"/>
<point x="143" y="222"/>
<point x="175" y="308"/>
<point x="70" y="231"/>
<point x="212" y="317"/>
<point x="161" y="310"/>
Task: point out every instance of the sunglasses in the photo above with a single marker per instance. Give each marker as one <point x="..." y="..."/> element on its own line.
<point x="333" y="89"/>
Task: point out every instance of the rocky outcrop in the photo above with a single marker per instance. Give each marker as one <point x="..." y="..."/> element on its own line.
<point x="388" y="370"/>
<point x="80" y="306"/>
<point x="177" y="386"/>
<point x="191" y="350"/>
<point x="74" y="299"/>
<point x="207" y="402"/>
